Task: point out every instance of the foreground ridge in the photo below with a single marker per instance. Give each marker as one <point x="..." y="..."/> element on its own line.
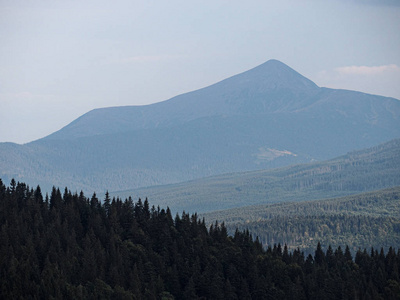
<point x="69" y="246"/>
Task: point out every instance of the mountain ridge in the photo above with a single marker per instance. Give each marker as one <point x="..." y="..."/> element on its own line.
<point x="196" y="104"/>
<point x="272" y="87"/>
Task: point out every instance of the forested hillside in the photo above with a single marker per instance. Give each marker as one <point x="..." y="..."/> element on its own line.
<point x="356" y="172"/>
<point x="73" y="247"/>
<point x="359" y="221"/>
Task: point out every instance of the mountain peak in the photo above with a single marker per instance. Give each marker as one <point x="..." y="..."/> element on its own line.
<point x="274" y="63"/>
<point x="274" y="75"/>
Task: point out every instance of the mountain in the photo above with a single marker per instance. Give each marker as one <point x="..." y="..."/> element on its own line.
<point x="356" y="172"/>
<point x="268" y="88"/>
<point x="267" y="117"/>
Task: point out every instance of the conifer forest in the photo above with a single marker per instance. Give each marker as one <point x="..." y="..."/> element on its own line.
<point x="69" y="246"/>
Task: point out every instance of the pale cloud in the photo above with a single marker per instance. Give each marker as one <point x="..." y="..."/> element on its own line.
<point x="364" y="70"/>
<point x="380" y="80"/>
<point x="376" y="2"/>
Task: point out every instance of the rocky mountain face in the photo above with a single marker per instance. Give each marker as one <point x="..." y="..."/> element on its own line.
<point x="266" y="117"/>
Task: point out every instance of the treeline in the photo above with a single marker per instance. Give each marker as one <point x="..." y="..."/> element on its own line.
<point x="359" y="221"/>
<point x="69" y="246"/>
<point x="359" y="231"/>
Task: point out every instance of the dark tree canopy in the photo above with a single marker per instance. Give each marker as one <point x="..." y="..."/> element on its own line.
<point x="74" y="247"/>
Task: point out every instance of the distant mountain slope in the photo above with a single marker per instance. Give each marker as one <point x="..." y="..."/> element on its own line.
<point x="359" y="221"/>
<point x="366" y="170"/>
<point x="267" y="117"/>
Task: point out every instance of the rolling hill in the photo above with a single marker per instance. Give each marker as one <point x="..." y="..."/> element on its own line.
<point x="356" y="172"/>
<point x="359" y="221"/>
<point x="269" y="116"/>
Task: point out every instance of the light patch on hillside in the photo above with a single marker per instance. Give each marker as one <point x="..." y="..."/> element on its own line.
<point x="271" y="154"/>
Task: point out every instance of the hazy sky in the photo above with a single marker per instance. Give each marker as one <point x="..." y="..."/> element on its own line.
<point x="60" y="59"/>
